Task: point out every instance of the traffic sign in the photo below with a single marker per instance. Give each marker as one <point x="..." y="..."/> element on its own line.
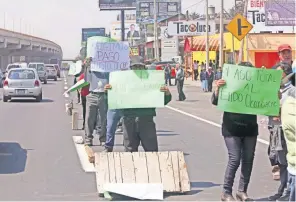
<point x="239" y="26"/>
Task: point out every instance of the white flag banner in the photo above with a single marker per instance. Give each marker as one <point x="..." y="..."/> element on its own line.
<point x="109" y="56"/>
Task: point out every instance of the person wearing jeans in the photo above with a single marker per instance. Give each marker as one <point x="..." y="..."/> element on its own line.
<point x="113" y="119"/>
<point x="240" y="133"/>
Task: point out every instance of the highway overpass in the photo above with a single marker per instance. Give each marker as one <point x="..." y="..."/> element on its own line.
<point x="17" y="47"/>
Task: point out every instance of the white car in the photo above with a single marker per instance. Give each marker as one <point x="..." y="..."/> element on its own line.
<point x="52" y="73"/>
<point x="22" y="82"/>
<point x="40" y="68"/>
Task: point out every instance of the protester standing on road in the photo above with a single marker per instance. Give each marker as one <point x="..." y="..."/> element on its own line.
<point x="210" y="78"/>
<point x="240" y="133"/>
<point x="288" y="117"/>
<point x="138" y="124"/>
<point x="277" y="149"/>
<point x="78" y="94"/>
<point x="203" y="79"/>
<point x="84" y="92"/>
<point x="180" y="76"/>
<point x="96" y="102"/>
<point x="195" y="69"/>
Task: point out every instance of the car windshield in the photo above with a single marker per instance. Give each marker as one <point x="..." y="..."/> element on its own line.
<point x="21" y="74"/>
<point x="13" y="66"/>
<point x="50" y="67"/>
<point x="40" y="67"/>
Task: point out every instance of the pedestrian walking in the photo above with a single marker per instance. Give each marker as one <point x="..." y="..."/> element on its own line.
<point x="277" y="149"/>
<point x="288" y="117"/>
<point x="195" y="69"/>
<point x="240" y="133"/>
<point x="167" y="72"/>
<point x="204" y="81"/>
<point x="138" y="124"/>
<point x="96" y="102"/>
<point x="210" y="78"/>
<point x="180" y="76"/>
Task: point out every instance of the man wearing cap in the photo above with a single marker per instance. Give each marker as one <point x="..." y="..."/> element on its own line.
<point x="96" y="102"/>
<point x="285" y="53"/>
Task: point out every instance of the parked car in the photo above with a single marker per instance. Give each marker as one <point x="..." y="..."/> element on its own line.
<point x="57" y="67"/>
<point x="22" y="82"/>
<point x="51" y="72"/>
<point x="2" y="78"/>
<point x="161" y="66"/>
<point x="41" y="70"/>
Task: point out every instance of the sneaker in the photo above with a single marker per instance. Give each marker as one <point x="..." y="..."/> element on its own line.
<point x="119" y="130"/>
<point x="242" y="196"/>
<point x="285" y="197"/>
<point x="274" y="197"/>
<point x="102" y="144"/>
<point x="107" y="150"/>
<point x="227" y="197"/>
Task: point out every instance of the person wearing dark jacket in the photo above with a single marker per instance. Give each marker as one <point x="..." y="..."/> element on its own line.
<point x="240" y="133"/>
<point x="138" y="124"/>
<point x="210" y="76"/>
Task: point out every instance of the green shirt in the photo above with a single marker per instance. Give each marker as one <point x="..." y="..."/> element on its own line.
<point x="145" y="111"/>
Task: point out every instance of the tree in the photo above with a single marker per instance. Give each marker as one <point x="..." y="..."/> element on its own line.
<point x="194" y="16"/>
<point x="237" y="8"/>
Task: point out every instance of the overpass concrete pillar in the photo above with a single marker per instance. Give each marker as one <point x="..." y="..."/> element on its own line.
<point x="5" y="60"/>
<point x="16" y="59"/>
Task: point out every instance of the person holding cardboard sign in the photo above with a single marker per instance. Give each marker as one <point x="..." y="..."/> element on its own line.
<point x="240" y="133"/>
<point x="138" y="124"/>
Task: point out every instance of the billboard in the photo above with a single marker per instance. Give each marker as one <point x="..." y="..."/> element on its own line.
<point x="280" y="13"/>
<point x="132" y="31"/>
<point x="169" y="45"/>
<point x="164" y="9"/>
<point x="117" y="4"/>
<point x="89" y="32"/>
<point x="191" y="28"/>
<point x="256" y="16"/>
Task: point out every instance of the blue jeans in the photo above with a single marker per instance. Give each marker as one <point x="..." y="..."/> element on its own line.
<point x="292" y="179"/>
<point x="204" y="84"/>
<point x="113" y="118"/>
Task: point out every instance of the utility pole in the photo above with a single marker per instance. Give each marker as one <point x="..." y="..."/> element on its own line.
<point x="207" y="33"/>
<point x="122" y="25"/>
<point x="221" y="55"/>
<point x="241" y="51"/>
<point x="156" y="49"/>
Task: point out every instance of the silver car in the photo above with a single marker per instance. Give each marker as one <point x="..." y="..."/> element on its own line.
<point x="41" y="70"/>
<point x="52" y="73"/>
<point x="22" y="82"/>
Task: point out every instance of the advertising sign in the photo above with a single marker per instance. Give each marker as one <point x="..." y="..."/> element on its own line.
<point x="256" y="16"/>
<point x="164" y="9"/>
<point x="191" y="28"/>
<point x="280" y="13"/>
<point x="169" y="45"/>
<point x="89" y="32"/>
<point x="117" y="4"/>
<point x="132" y="31"/>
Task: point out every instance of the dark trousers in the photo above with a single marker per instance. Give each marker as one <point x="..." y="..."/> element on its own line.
<point x="83" y="102"/>
<point x="168" y="79"/>
<point x="195" y="74"/>
<point x="78" y="96"/>
<point x="138" y="130"/>
<point x="284" y="180"/>
<point x="210" y="85"/>
<point x="240" y="149"/>
<point x="180" y="84"/>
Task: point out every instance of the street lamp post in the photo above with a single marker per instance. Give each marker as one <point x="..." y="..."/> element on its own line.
<point x="207" y="34"/>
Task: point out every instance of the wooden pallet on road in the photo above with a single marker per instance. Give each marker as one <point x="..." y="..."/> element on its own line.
<point x="168" y="168"/>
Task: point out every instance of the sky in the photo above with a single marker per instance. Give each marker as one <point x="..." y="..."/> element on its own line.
<point x="61" y="21"/>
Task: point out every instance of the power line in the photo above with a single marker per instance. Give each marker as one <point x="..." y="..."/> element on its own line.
<point x="194" y="4"/>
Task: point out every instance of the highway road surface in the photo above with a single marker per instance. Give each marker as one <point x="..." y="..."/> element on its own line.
<point x="39" y="160"/>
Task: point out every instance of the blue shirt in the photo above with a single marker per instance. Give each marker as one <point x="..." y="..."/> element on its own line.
<point x="97" y="80"/>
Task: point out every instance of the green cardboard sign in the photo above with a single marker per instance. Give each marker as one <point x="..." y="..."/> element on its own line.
<point x="250" y="90"/>
<point x="136" y="89"/>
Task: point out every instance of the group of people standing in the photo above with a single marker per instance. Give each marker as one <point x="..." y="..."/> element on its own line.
<point x="207" y="75"/>
<point x="137" y="123"/>
<point x="240" y="133"/>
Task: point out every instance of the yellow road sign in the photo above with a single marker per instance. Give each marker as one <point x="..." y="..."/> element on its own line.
<point x="239" y="26"/>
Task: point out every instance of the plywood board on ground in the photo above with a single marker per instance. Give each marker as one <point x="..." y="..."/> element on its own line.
<point x="168" y="168"/>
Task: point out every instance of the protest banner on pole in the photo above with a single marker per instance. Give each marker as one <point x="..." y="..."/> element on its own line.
<point x="80" y="84"/>
<point x="250" y="90"/>
<point x="72" y="69"/>
<point x="108" y="56"/>
<point x="136" y="89"/>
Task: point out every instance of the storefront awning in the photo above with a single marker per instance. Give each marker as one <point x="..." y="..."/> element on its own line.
<point x="199" y="43"/>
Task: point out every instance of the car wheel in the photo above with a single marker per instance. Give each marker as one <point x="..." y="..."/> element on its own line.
<point x="45" y="81"/>
<point x="56" y="78"/>
<point x="5" y="98"/>
<point x="39" y="98"/>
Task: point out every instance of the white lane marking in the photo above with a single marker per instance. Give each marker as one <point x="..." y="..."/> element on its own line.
<point x="66" y="88"/>
<point x="207" y="121"/>
<point x="86" y="165"/>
